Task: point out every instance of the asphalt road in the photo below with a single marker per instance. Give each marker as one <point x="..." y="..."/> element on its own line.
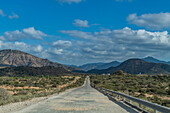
<point x="80" y="100"/>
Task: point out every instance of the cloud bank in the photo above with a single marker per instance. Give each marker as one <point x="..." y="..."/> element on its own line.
<point x="83" y="47"/>
<point x="118" y="44"/>
<point x="155" y="21"/>
<point x="26" y="33"/>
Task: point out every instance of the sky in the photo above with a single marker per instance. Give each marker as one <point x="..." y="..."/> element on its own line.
<point x="86" y="31"/>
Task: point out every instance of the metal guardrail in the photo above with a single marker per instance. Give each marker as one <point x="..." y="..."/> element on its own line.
<point x="154" y="106"/>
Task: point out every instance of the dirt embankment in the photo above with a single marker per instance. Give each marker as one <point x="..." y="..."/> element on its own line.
<point x="67" y="84"/>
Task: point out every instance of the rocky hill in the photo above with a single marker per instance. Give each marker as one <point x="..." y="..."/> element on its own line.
<point x="10" y="58"/>
<point x="137" y="66"/>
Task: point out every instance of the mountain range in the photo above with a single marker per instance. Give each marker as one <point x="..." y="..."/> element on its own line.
<point x="15" y="62"/>
<point x="90" y="66"/>
<point x="136" y="66"/>
<point x="99" y="66"/>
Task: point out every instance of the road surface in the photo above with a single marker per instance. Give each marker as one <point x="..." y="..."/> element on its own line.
<point x="80" y="100"/>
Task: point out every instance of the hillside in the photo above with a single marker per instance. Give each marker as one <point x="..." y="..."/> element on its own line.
<point x="137" y="66"/>
<point x="33" y="71"/>
<point x="10" y="58"/>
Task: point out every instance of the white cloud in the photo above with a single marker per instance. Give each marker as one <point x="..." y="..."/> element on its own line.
<point x="69" y="1"/>
<point x="1" y="12"/>
<point x="38" y="48"/>
<point x="13" y="16"/>
<point x="108" y="45"/>
<point x="142" y="36"/>
<point x="36" y="34"/>
<point x="151" y="21"/>
<point x="80" y="23"/>
<point x="62" y="43"/>
<point x="25" y="33"/>
<point x="13" y="35"/>
<point x="20" y="44"/>
<point x="15" y="45"/>
<point x="57" y="51"/>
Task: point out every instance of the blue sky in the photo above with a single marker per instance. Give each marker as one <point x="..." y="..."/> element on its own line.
<point x="84" y="31"/>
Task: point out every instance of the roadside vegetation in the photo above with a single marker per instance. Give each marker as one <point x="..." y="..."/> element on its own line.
<point x="17" y="89"/>
<point x="153" y="88"/>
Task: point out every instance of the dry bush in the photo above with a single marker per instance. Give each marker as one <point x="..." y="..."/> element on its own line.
<point x="5" y="97"/>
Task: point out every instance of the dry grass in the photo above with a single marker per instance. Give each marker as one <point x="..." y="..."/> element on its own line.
<point x="23" y="88"/>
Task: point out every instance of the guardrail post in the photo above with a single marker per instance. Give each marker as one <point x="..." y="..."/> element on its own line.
<point x="124" y="99"/>
<point x="155" y="111"/>
<point x="119" y="97"/>
<point x="130" y="102"/>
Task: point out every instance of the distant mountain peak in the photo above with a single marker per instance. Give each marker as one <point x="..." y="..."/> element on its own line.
<point x="154" y="60"/>
<point x="150" y="57"/>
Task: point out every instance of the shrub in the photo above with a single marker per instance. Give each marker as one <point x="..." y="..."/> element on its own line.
<point x="5" y="97"/>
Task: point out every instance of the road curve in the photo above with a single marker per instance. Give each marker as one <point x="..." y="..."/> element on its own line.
<point x="80" y="100"/>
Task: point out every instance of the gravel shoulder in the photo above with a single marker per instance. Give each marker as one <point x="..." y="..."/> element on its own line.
<point x="19" y="105"/>
<point x="12" y="107"/>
